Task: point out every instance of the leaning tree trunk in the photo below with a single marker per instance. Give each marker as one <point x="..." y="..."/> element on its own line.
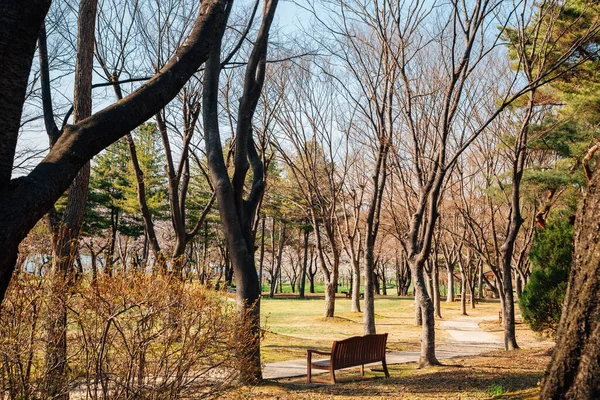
<point x="574" y="371"/>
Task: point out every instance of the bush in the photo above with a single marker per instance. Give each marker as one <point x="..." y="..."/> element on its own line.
<point x="140" y="336"/>
<point x="551" y="257"/>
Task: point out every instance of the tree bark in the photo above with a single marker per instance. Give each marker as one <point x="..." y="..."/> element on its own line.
<point x="20" y="24"/>
<point x="280" y="245"/>
<point x="305" y="235"/>
<point x="574" y="371"/>
<point x="450" y="295"/>
<point x="66" y="234"/>
<point x="427" y="356"/>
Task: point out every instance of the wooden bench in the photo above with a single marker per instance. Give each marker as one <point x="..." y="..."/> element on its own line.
<point x="351" y="352"/>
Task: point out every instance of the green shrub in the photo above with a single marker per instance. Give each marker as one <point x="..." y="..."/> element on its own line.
<point x="551" y="258"/>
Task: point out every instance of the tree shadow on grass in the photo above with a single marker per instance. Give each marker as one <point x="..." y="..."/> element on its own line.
<point x="448" y="380"/>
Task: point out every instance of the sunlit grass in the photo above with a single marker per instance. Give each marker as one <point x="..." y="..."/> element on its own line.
<point x="293" y="325"/>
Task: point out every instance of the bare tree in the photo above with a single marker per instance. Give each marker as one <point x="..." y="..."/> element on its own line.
<point x="238" y="214"/>
<point x="33" y="195"/>
<point x="315" y="156"/>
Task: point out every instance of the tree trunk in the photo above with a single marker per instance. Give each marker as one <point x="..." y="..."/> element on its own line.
<point x="331" y="281"/>
<point x="238" y="214"/>
<point x="450" y="296"/>
<point x="463" y="293"/>
<point x="277" y="277"/>
<point x="20" y="24"/>
<point x="481" y="286"/>
<point x="436" y="290"/>
<point x="305" y="234"/>
<point x="370" y="278"/>
<point x="262" y="253"/>
<point x="427" y="356"/>
<point x="518" y="285"/>
<point x="355" y="296"/>
<point x="574" y="371"/>
<point x="66" y="234"/>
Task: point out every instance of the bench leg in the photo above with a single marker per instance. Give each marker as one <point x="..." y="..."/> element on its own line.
<point x="308" y="368"/>
<point x="332" y="375"/>
<point x="385" y="369"/>
<point x="362" y="370"/>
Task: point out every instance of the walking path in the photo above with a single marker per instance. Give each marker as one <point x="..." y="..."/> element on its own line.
<point x="466" y="338"/>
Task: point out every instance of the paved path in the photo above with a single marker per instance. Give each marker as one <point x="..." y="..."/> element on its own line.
<point x="466" y="338"/>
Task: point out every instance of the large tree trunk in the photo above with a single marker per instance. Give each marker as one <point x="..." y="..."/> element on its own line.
<point x="574" y="371"/>
<point x="331" y="280"/>
<point x="20" y="24"/>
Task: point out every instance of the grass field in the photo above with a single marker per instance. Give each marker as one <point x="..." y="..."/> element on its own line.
<point x="292" y="325"/>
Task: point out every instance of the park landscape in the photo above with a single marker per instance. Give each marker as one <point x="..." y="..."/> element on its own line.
<point x="194" y="194"/>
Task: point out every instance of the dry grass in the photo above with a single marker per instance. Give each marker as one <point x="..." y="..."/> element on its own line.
<point x="496" y="375"/>
<point x="293" y="325"/>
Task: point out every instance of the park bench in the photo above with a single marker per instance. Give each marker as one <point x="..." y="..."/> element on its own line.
<point x="457" y="297"/>
<point x="348" y="294"/>
<point x="351" y="352"/>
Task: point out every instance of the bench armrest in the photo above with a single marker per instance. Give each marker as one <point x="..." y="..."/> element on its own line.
<point x="323" y="353"/>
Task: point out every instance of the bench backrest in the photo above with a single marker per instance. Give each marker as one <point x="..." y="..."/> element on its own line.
<point x="358" y="350"/>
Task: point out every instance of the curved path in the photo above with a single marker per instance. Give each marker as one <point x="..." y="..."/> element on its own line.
<point x="466" y="338"/>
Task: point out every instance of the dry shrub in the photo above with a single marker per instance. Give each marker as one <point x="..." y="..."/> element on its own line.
<point x="21" y="337"/>
<point x="141" y="336"/>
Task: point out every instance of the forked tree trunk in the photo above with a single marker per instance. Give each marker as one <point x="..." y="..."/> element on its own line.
<point x="574" y="371"/>
<point x="238" y="214"/>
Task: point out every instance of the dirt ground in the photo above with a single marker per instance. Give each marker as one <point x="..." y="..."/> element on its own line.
<point x="495" y="375"/>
